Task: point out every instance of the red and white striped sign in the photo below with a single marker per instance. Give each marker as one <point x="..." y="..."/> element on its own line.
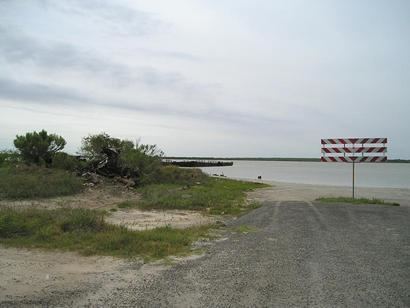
<point x="353" y="140"/>
<point x="349" y="150"/>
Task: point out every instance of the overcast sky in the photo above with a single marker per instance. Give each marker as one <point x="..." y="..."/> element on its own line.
<point x="208" y="78"/>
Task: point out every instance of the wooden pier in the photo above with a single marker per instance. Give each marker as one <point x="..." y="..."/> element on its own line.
<point x="198" y="163"/>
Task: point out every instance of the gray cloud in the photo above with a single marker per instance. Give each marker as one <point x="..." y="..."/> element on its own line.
<point x="21" y="49"/>
<point x="45" y="95"/>
<point x="120" y="20"/>
<point x="17" y="91"/>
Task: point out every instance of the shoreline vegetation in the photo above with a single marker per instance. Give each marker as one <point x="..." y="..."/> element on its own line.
<point x="355" y="201"/>
<point x="291" y="159"/>
<point x="38" y="169"/>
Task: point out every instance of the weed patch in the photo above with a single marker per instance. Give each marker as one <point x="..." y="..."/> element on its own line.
<point x="215" y="196"/>
<point x="86" y="232"/>
<point x="355" y="201"/>
<point x="23" y="182"/>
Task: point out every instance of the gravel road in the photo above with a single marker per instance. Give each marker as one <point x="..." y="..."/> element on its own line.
<point x="299" y="254"/>
<point x="295" y="254"/>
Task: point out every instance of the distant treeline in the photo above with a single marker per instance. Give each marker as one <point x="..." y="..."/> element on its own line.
<point x="301" y="159"/>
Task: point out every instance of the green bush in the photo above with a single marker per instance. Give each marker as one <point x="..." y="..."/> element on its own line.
<point x="22" y="182"/>
<point x="8" y="157"/>
<point x="66" y="162"/>
<point x="176" y="175"/>
<point x="39" y="147"/>
<point x="139" y="160"/>
<point x="93" y="145"/>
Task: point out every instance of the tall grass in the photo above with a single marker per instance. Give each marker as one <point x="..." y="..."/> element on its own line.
<point x="86" y="232"/>
<point x="216" y="196"/>
<point x="23" y="182"/>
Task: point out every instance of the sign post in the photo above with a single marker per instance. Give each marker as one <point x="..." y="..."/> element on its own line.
<point x="345" y="150"/>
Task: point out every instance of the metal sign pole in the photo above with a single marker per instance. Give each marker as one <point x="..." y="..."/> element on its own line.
<point x="353" y="182"/>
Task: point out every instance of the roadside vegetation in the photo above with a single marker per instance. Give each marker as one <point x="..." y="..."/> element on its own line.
<point x="38" y="168"/>
<point x="30" y="182"/>
<point x="355" y="201"/>
<point x="86" y="232"/>
<point x="214" y="196"/>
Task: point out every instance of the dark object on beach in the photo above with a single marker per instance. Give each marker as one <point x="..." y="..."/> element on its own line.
<point x="198" y="163"/>
<point x="259" y="177"/>
<point x="108" y="166"/>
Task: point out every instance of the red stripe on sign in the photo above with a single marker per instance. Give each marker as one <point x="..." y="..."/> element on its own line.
<point x="343" y="159"/>
<point x="342" y="141"/>
<point x="353" y="140"/>
<point x="332" y="141"/>
<point x="333" y="159"/>
<point x="322" y="141"/>
<point x="374" y="159"/>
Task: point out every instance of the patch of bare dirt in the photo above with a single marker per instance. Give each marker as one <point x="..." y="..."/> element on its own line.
<point x="106" y="197"/>
<point x="35" y="277"/>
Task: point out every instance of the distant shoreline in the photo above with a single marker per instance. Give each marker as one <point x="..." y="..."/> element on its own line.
<point x="302" y="159"/>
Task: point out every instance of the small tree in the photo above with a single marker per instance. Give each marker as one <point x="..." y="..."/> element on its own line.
<point x="130" y="158"/>
<point x="39" y="147"/>
<point x="93" y="145"/>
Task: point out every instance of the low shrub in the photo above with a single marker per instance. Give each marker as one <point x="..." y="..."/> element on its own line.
<point x="8" y="158"/>
<point x="67" y="162"/>
<point x="176" y="175"/>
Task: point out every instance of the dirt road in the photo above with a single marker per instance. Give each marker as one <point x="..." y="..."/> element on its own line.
<point x="295" y="254"/>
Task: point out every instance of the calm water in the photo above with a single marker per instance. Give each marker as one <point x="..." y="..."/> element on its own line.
<point x="340" y="174"/>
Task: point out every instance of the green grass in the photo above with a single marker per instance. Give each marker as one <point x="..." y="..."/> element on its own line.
<point x="355" y="201"/>
<point x="24" y="182"/>
<point x="86" y="232"/>
<point x="215" y="196"/>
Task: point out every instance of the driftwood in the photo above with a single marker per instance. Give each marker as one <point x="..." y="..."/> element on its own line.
<point x="108" y="165"/>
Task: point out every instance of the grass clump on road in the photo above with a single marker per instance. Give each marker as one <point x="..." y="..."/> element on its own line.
<point x="86" y="232"/>
<point x="24" y="182"/>
<point x="355" y="201"/>
<point x="215" y="196"/>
